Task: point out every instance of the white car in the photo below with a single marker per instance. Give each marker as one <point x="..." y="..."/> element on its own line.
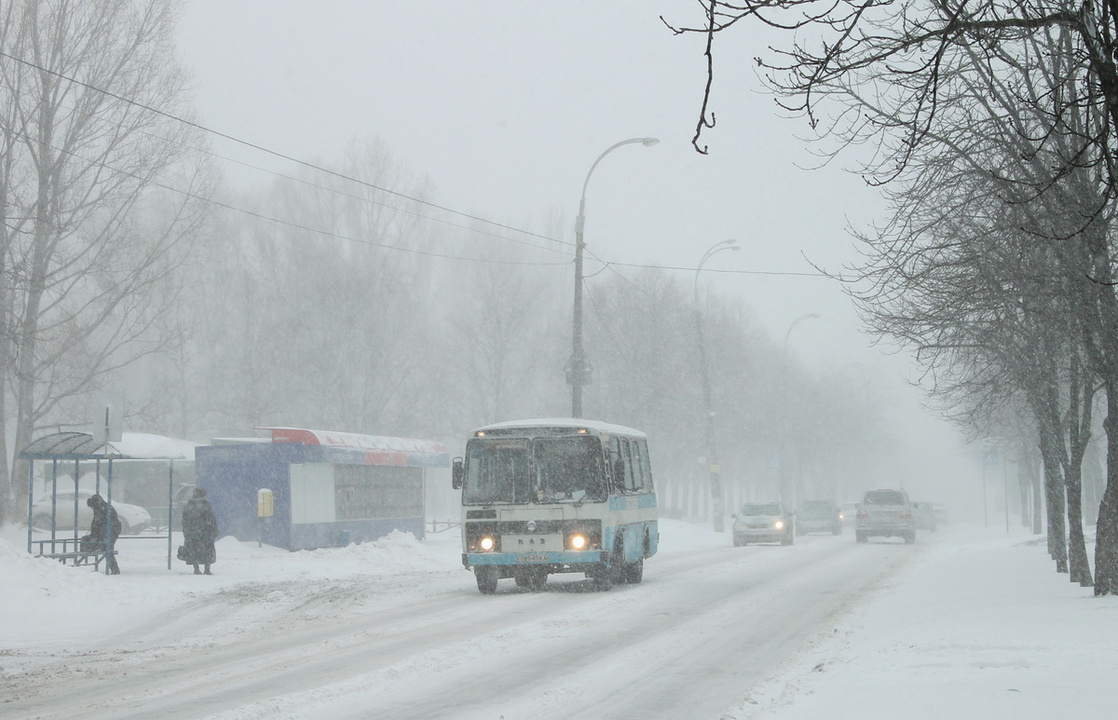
<point x="133" y="518"/>
<point x="885" y="513"/>
<point x="763" y="522"/>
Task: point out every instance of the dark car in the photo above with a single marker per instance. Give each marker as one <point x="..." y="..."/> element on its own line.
<point x="885" y="513"/>
<point x="763" y="522"/>
<point x="818" y="516"/>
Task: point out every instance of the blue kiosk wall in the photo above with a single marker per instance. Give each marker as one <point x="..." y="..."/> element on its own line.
<point x="324" y="496"/>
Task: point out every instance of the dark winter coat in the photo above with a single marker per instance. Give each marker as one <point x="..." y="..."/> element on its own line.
<point x="103" y="514"/>
<point x="199" y="529"/>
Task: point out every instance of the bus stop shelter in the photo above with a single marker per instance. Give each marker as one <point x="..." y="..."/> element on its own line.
<point x="61" y="449"/>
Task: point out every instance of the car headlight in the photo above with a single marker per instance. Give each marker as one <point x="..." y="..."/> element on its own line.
<point x="779" y="524"/>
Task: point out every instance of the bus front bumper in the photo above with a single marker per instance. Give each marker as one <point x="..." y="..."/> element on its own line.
<point x="556" y="559"/>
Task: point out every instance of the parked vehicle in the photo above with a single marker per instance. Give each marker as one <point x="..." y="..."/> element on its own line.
<point x="924" y="515"/>
<point x="133" y="518"/>
<point x="885" y="513"/>
<point x="818" y="516"/>
<point x="763" y="522"/>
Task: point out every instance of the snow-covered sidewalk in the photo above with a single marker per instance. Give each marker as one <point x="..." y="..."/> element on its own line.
<point x="980" y="626"/>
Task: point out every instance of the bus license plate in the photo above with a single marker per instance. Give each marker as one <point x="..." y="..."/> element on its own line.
<point x="531" y="558"/>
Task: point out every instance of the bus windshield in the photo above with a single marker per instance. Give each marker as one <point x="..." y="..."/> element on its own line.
<point x="569" y="469"/>
<point x="544" y="470"/>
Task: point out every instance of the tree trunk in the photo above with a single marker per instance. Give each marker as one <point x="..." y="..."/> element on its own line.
<point x="1081" y="399"/>
<point x="1080" y="567"/>
<point x="1025" y="473"/>
<point x="1038" y="504"/>
<point x="1106" y="530"/>
<point x="1054" y="501"/>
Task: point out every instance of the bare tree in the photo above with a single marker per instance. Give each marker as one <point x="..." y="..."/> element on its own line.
<point x="313" y="308"/>
<point x="905" y="77"/>
<point x="980" y="277"/>
<point x="500" y="340"/>
<point x="97" y="194"/>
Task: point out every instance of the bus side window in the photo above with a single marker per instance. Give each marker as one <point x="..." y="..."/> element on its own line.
<point x="630" y="468"/>
<point x="641" y="479"/>
<point x="646" y="467"/>
<point x="616" y="465"/>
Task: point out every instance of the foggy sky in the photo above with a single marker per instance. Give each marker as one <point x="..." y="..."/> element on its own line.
<point x="504" y="106"/>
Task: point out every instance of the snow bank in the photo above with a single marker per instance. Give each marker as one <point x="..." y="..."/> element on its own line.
<point x="978" y="627"/>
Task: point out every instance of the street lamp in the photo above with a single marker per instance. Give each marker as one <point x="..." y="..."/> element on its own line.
<point x="578" y="369"/>
<point x="792" y="327"/>
<point x="712" y="449"/>
<point x="784" y="402"/>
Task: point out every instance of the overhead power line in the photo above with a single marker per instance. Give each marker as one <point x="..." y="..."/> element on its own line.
<point x="606" y="265"/>
<point x="729" y="271"/>
<point x="275" y="153"/>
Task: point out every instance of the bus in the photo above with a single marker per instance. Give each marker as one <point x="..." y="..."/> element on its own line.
<point x="556" y="496"/>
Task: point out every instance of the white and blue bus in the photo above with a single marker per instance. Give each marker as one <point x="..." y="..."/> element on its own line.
<point x="556" y="496"/>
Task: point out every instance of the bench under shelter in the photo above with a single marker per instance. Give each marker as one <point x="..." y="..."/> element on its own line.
<point x="62" y="448"/>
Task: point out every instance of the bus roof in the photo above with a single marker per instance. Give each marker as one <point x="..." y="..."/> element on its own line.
<point x="596" y="426"/>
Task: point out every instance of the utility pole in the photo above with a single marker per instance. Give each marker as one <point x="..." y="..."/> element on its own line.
<point x="578" y="367"/>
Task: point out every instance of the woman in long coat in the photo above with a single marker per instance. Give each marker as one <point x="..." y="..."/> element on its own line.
<point x="199" y="529"/>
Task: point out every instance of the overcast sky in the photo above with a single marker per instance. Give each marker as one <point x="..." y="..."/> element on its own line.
<point x="504" y="106"/>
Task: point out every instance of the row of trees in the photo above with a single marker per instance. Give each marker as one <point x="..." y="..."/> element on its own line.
<point x="993" y="125"/>
<point x="324" y="300"/>
<point x="301" y="315"/>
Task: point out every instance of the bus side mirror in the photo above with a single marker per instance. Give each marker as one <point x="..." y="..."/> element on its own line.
<point x="457" y="472"/>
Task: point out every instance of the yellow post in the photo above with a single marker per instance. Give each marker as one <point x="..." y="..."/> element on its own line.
<point x="265" y="508"/>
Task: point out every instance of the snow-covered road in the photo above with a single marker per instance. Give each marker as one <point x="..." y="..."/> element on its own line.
<point x="708" y="622"/>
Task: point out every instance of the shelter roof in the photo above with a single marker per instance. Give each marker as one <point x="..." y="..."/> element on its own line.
<point x="132" y="446"/>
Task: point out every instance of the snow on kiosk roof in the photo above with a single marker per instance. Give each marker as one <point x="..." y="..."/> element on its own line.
<point x="376" y="449"/>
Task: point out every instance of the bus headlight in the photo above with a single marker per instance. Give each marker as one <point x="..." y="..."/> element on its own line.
<point x="487" y="543"/>
<point x="578" y="541"/>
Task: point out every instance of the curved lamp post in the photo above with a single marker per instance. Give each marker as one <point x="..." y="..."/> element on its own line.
<point x="578" y="369"/>
<point x="717" y="510"/>
<point x="784" y="444"/>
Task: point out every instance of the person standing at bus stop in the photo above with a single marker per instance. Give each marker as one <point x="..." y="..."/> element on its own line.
<point x="199" y="529"/>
